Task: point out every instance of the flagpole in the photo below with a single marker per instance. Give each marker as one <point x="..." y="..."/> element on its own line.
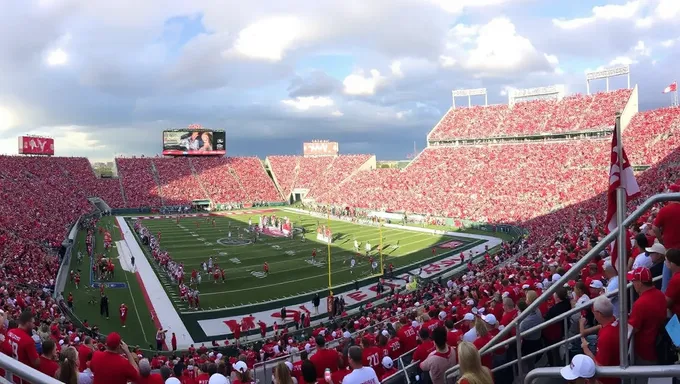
<point x="621" y="247"/>
<point x="382" y="270"/>
<point x="328" y="240"/>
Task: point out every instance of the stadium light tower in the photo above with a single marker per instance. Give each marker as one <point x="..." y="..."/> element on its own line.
<point x="553" y="92"/>
<point x="469" y="93"/>
<point x="606" y="74"/>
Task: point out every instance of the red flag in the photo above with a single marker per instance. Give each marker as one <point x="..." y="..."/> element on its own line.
<point x="629" y="184"/>
<point x="671" y="88"/>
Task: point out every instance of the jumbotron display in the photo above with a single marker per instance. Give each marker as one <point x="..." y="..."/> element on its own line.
<point x="194" y="140"/>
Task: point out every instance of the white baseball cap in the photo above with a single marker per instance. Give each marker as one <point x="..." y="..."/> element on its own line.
<point x="240" y="366"/>
<point x="387" y="362"/>
<point x="172" y="380"/>
<point x="597" y="284"/>
<point x="415" y="324"/>
<point x="556" y="277"/>
<point x="656" y="248"/>
<point x="526" y="286"/>
<point x="385" y="333"/>
<point x="347" y="335"/>
<point x="490" y="319"/>
<point x="289" y="365"/>
<point x="442" y="315"/>
<point x="469" y="317"/>
<point x="218" y="378"/>
<point x="581" y="366"/>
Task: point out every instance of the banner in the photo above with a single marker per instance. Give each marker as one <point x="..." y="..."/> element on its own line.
<point x="194" y="141"/>
<point x="320" y="148"/>
<point x="36" y="145"/>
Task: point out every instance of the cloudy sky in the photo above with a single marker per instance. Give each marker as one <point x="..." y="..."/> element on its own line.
<point x="105" y="78"/>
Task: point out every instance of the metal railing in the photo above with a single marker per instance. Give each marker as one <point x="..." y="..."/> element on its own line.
<point x="496" y="342"/>
<point x="642" y="371"/>
<point x="14" y="367"/>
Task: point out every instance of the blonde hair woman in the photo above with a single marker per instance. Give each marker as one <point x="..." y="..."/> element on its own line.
<point x="471" y="369"/>
<point x="282" y="374"/>
<point x="481" y="328"/>
<point x="68" y="366"/>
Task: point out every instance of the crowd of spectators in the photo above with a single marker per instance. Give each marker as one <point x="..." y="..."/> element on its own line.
<point x="554" y="189"/>
<point x="317" y="174"/>
<point x="571" y="114"/>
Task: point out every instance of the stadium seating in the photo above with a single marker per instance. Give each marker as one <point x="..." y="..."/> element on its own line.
<point x="216" y="177"/>
<point x="178" y="185"/>
<point x="651" y="135"/>
<point x="139" y="185"/>
<point x="340" y="169"/>
<point x="571" y="114"/>
<point x="317" y="174"/>
<point x="555" y="189"/>
<point x="257" y="185"/>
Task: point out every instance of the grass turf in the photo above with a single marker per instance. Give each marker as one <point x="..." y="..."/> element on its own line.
<point x="291" y="268"/>
<point x="140" y="329"/>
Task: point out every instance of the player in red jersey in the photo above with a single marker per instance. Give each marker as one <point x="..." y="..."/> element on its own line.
<point x="265" y="268"/>
<point x="123" y="311"/>
<point x="216" y="275"/>
<point x="21" y="342"/>
<point x="314" y="253"/>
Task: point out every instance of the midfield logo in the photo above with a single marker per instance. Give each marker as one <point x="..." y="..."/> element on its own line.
<point x="259" y="275"/>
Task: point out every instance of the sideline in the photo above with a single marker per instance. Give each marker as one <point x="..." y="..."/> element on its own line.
<point x="156" y="297"/>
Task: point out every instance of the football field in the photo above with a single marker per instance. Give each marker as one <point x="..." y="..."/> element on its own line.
<point x="292" y="269"/>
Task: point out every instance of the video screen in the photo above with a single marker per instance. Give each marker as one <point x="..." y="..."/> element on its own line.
<point x="194" y="142"/>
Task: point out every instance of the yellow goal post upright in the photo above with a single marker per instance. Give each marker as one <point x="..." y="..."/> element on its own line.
<point x="380" y="250"/>
<point x="328" y="225"/>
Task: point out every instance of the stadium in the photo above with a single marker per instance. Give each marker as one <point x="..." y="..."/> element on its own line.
<point x="200" y="256"/>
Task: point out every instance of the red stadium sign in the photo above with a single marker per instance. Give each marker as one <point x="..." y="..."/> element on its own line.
<point x="36" y="145"/>
<point x="320" y="148"/>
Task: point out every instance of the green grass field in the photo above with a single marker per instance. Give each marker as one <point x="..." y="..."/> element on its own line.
<point x="292" y="272"/>
<point x="140" y="329"/>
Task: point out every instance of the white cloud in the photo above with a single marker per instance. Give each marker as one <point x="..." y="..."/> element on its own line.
<point x="7" y="119"/>
<point x="395" y="67"/>
<point x="447" y="61"/>
<point x="337" y="113"/>
<point x="605" y="12"/>
<point x="668" y="10"/>
<point x="668" y="43"/>
<point x="457" y="6"/>
<point x="359" y="84"/>
<point x="404" y="114"/>
<point x="641" y="49"/>
<point x="307" y="102"/>
<point x="493" y="49"/>
<point x="57" y="57"/>
<point x="270" y="38"/>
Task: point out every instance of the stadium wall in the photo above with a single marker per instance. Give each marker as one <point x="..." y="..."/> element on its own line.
<point x="630" y="110"/>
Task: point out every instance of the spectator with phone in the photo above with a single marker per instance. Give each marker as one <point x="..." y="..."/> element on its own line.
<point x="110" y="367"/>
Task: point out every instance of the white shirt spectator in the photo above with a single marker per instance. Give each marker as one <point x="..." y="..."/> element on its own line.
<point x="642" y="260"/>
<point x="363" y="375"/>
<point x="612" y="285"/>
<point x="471" y="335"/>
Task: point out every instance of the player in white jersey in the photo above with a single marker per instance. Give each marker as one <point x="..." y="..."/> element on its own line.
<point x="352" y="263"/>
<point x="229" y="234"/>
<point x="368" y="248"/>
<point x="198" y="278"/>
<point x="356" y="245"/>
<point x="205" y="267"/>
<point x="210" y="263"/>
